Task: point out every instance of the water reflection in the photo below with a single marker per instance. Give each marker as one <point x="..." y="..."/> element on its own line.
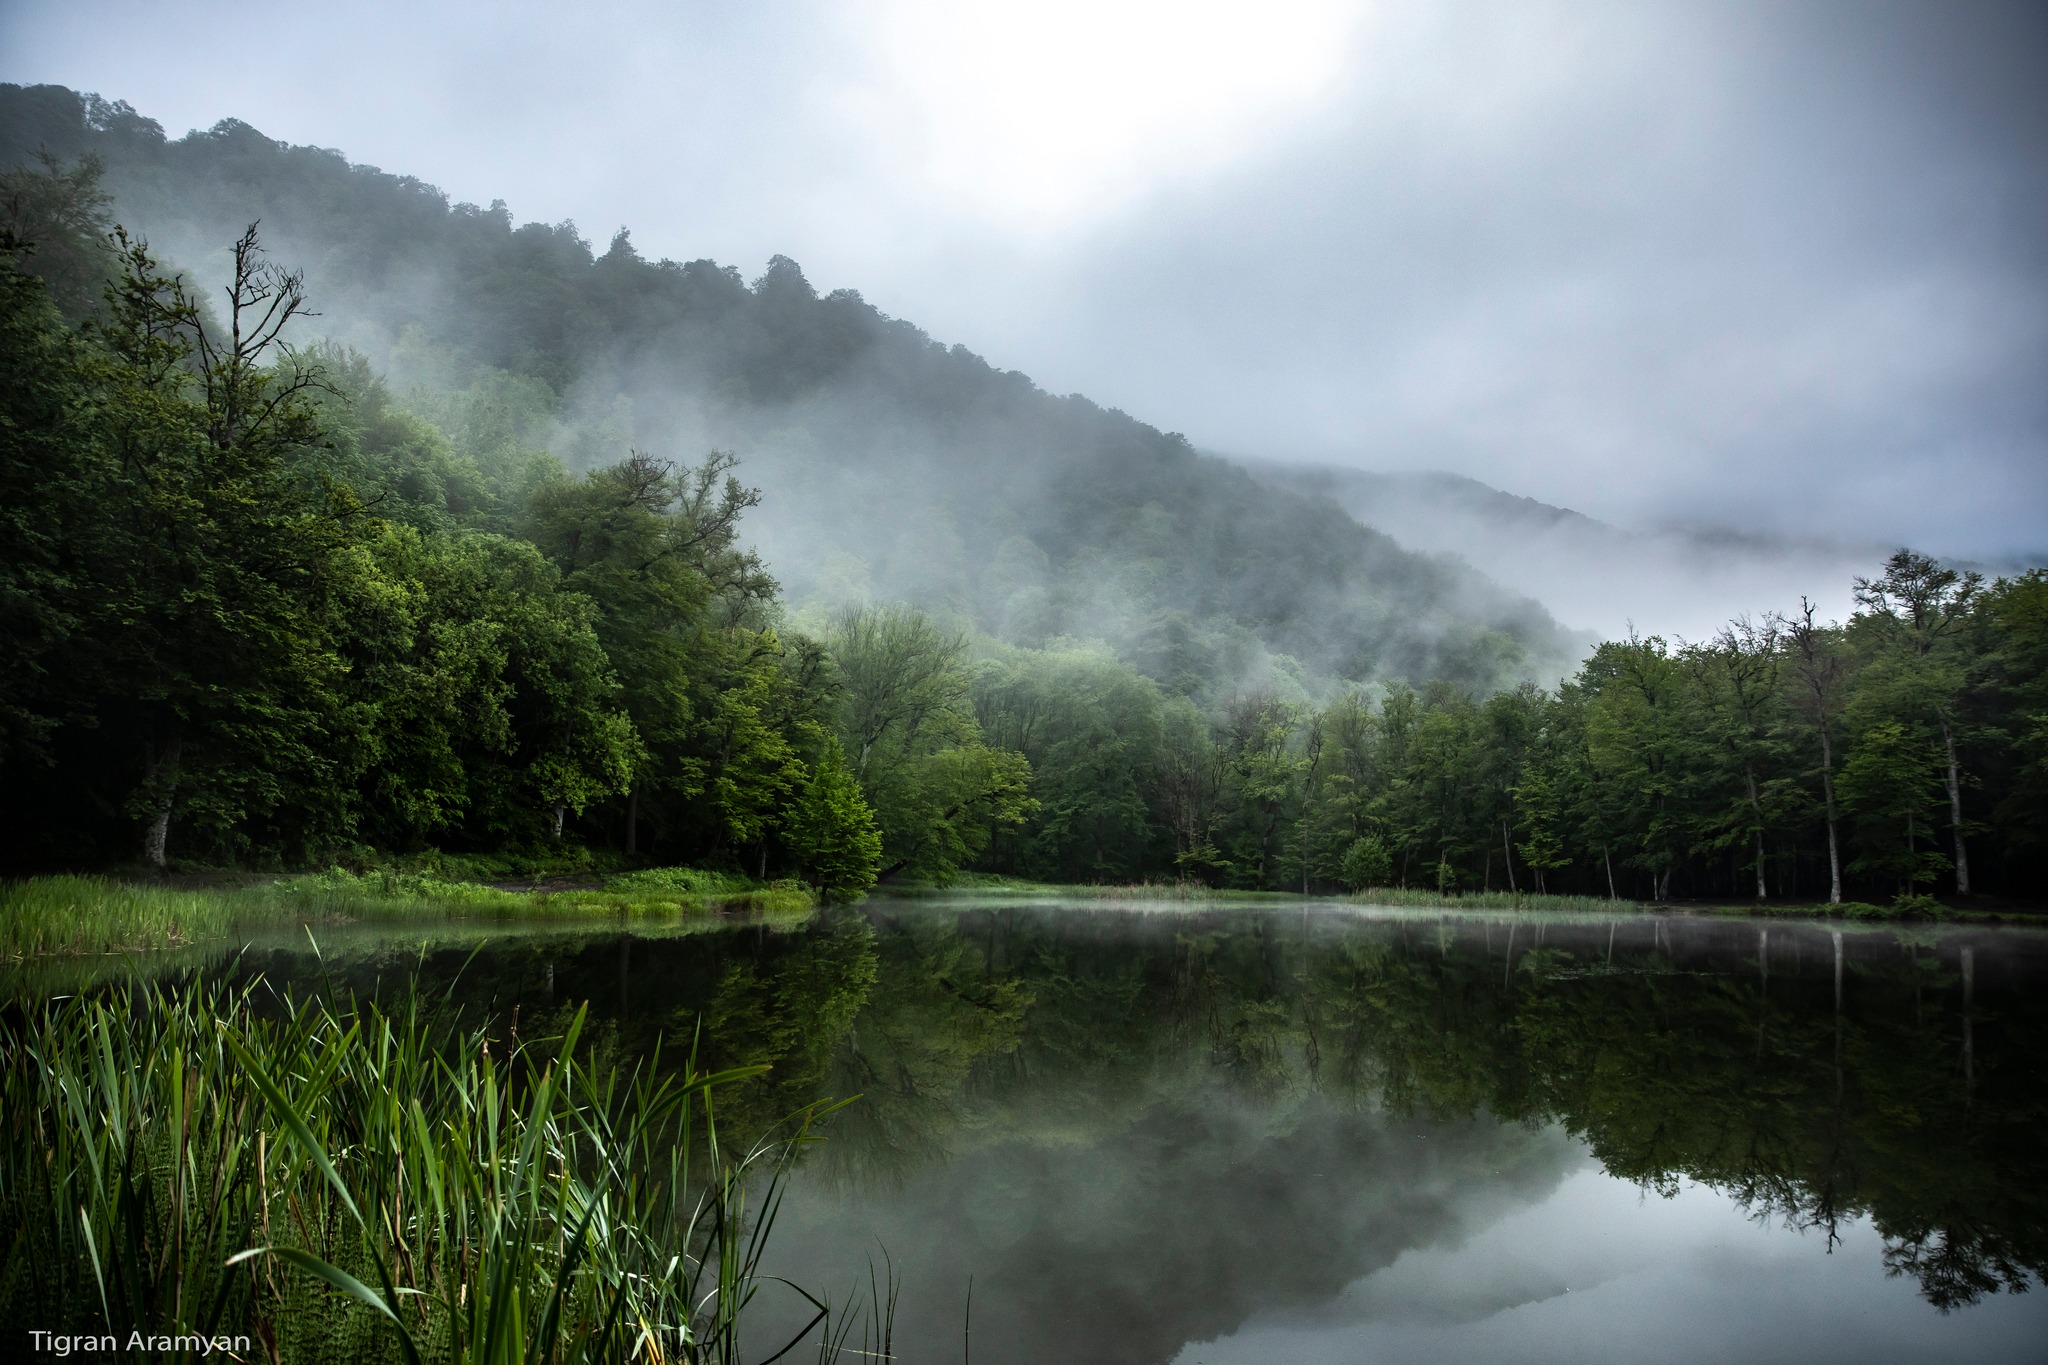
<point x="1229" y="1134"/>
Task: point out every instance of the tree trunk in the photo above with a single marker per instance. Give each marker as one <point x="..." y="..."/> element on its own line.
<point x="1607" y="856"/>
<point x="161" y="773"/>
<point x="1955" y="805"/>
<point x="1507" y="852"/>
<point x="561" y="813"/>
<point x="1827" y="790"/>
<point x="633" y="823"/>
<point x="1756" y="808"/>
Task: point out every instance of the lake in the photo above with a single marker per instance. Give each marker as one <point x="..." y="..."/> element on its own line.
<point x="1212" y="1133"/>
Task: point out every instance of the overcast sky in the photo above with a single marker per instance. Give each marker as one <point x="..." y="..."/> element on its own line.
<point x="1764" y="266"/>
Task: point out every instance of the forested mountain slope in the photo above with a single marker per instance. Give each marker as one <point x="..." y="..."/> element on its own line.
<point x="891" y="465"/>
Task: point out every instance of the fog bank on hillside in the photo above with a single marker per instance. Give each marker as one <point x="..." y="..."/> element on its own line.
<point x="1677" y="582"/>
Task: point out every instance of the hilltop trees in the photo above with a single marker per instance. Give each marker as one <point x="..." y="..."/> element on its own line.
<point x="876" y="442"/>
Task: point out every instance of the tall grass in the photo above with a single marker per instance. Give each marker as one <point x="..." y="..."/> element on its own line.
<point x="349" y="1184"/>
<point x="48" y="916"/>
<point x="52" y="915"/>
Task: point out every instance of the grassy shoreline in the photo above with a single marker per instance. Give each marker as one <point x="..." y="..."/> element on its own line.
<point x="78" y="916"/>
<point x="85" y="916"/>
<point x="1917" y="909"/>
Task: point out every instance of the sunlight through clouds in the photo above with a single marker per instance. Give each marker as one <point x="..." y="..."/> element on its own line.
<point x="1047" y="113"/>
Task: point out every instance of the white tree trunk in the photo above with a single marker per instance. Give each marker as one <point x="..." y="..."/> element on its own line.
<point x="162" y="776"/>
<point x="1756" y="808"/>
<point x="1955" y="806"/>
<point x="1827" y="788"/>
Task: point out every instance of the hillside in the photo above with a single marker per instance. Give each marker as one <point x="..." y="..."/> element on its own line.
<point x="891" y="465"/>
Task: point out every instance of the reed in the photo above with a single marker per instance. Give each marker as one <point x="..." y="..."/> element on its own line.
<point x="341" y="1182"/>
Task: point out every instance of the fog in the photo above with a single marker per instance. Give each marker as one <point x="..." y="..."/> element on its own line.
<point x="1682" y="583"/>
<point x="1760" y="269"/>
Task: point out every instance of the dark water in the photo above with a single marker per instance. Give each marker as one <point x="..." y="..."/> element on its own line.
<point x="1277" y="1135"/>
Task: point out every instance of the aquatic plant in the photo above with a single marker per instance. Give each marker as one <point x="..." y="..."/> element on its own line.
<point x="341" y="1182"/>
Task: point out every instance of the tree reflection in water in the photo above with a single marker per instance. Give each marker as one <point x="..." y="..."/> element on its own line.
<point x="1156" y="1123"/>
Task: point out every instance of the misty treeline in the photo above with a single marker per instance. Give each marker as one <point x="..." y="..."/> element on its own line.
<point x="250" y="605"/>
<point x="1903" y="752"/>
<point x="258" y="608"/>
<point x="894" y="468"/>
<point x="249" y="599"/>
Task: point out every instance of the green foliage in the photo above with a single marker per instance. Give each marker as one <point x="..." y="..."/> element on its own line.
<point x="953" y="481"/>
<point x="58" y="917"/>
<point x="832" y="831"/>
<point x="1367" y="863"/>
<point x="939" y="794"/>
<point x="259" y="610"/>
<point x="690" y="881"/>
<point x="1889" y="784"/>
<point x="358" y="1185"/>
<point x="55" y="220"/>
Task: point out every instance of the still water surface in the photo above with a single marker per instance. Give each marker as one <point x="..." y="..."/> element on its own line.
<point x="1230" y="1135"/>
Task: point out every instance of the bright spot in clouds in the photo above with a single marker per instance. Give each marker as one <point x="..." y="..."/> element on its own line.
<point x="1047" y="113"/>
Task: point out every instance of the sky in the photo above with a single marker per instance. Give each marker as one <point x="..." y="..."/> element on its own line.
<point x="1770" y="268"/>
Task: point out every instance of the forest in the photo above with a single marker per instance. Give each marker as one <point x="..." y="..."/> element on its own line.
<point x="262" y="606"/>
<point x="895" y="467"/>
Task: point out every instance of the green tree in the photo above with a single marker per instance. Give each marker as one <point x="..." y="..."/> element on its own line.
<point x="221" y="565"/>
<point x="1890" y="786"/>
<point x="1919" y="611"/>
<point x="1367" y="863"/>
<point x="906" y="716"/>
<point x="56" y="222"/>
<point x="1641" y="740"/>
<point x="832" y="832"/>
<point x="1542" y="846"/>
<point x="1820" y="669"/>
<point x="1737" y="677"/>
